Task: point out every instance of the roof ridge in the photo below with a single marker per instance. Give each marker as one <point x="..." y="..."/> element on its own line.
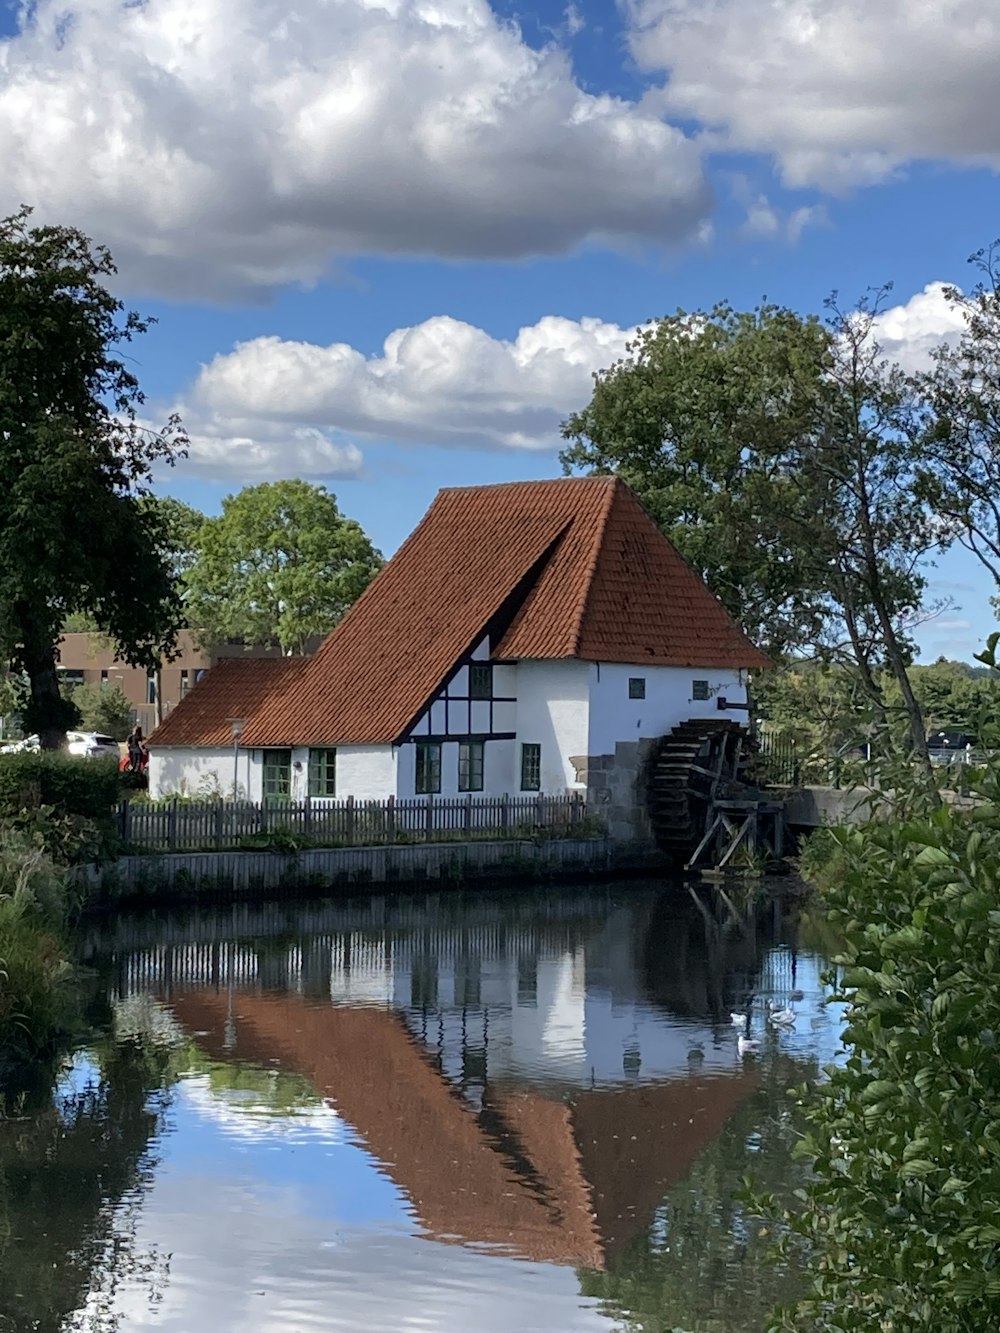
<point x="612" y="491"/>
<point x="537" y="481"/>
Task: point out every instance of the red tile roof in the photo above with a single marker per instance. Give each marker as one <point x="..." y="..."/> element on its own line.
<point x="236" y="687"/>
<point x="577" y="563"/>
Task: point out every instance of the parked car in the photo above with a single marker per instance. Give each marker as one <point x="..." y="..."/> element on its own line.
<point x="15" y="747"/>
<point x="92" y="745"/>
<point x="946" y="747"/>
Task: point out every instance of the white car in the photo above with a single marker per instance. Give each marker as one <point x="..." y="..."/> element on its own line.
<point x="92" y="745"/>
<point x="15" y="747"/>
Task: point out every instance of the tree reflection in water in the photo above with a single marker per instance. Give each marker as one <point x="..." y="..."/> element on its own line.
<point x="702" y="1264"/>
<point x="71" y="1180"/>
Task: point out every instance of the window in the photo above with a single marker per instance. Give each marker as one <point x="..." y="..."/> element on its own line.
<point x="70" y="679"/>
<point x="185" y="682"/>
<point x="104" y="678"/>
<point x="277" y="775"/>
<point x="699" y="689"/>
<point x="480" y="680"/>
<point x="322" y="772"/>
<point x="637" y="687"/>
<point x="470" y="766"/>
<point x="531" y="768"/>
<point x="151" y="688"/>
<point x="428" y="768"/>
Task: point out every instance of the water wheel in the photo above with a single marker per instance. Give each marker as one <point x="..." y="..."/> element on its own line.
<point x="701" y="761"/>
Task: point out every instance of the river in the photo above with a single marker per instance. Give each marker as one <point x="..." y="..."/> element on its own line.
<point x="457" y="1113"/>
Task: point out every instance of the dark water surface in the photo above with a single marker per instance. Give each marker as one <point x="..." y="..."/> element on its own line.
<point x="451" y="1114"/>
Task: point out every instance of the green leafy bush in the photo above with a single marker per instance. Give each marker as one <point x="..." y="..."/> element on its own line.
<point x="899" y="1222"/>
<point x="73" y="786"/>
<point x="39" y="1001"/>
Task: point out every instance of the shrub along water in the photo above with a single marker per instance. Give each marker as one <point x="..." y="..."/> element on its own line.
<point x="55" y="811"/>
<point x="39" y="1000"/>
<point x="899" y="1223"/>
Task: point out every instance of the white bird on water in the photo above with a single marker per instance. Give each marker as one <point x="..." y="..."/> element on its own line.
<point x="781" y="1018"/>
<point x="746" y="1044"/>
<point x="739" y="1021"/>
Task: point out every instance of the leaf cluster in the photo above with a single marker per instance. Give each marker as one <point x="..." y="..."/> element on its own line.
<point x="898" y="1223"/>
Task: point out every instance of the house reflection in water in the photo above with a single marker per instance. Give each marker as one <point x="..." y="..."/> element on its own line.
<point x="520" y="1092"/>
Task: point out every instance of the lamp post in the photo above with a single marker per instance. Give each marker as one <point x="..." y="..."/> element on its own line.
<point x="236" y="725"/>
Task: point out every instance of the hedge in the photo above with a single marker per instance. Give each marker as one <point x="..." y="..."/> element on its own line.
<point x="76" y="787"/>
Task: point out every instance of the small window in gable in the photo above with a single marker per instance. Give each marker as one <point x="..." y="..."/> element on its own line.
<point x="699" y="689"/>
<point x="637" y="687"/>
<point x="480" y="680"/>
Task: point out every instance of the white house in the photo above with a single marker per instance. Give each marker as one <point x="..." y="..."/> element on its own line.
<point x="525" y="638"/>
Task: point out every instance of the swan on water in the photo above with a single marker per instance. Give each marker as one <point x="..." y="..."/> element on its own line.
<point x="781" y="1018"/>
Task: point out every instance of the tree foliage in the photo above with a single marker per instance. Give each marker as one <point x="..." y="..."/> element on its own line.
<point x="962" y="419"/>
<point x="780" y="455"/>
<point x="74" y="462"/>
<point x="898" y="1222"/>
<point x="279" y="566"/>
<point x="104" y="708"/>
<point x="697" y="417"/>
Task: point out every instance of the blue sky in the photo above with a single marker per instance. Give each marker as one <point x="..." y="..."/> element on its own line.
<point x="387" y="241"/>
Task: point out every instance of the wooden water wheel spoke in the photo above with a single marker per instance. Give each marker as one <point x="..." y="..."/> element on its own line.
<point x="692" y="768"/>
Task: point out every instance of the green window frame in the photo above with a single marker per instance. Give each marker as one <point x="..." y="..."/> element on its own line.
<point x="322" y="772"/>
<point x="699" y="690"/>
<point x="470" y="765"/>
<point x="480" y="680"/>
<point x="427" y="780"/>
<point x="531" y="767"/>
<point x="277" y="775"/>
<point x="637" y="687"/>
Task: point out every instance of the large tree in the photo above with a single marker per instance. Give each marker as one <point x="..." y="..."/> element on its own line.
<point x="855" y="512"/>
<point x="699" y="416"/>
<point x="74" y="463"/>
<point x="280" y="565"/>
<point x="778" y="454"/>
<point x="962" y="435"/>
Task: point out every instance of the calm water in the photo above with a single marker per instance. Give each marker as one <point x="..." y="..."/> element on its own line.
<point x="445" y="1113"/>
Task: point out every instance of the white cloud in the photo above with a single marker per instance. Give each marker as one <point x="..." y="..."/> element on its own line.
<point x="574" y="20"/>
<point x="842" y="92"/>
<point x="810" y="215"/>
<point x="908" y="333"/>
<point x="253" y="451"/>
<point x="223" y="147"/>
<point x="273" y="407"/>
<point x="442" y="382"/>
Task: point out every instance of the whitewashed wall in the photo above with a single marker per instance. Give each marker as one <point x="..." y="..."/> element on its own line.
<point x="669" y="700"/>
<point x="552" y="711"/>
<point x="498" y="770"/>
<point x="177" y="771"/>
<point x="366" y="772"/>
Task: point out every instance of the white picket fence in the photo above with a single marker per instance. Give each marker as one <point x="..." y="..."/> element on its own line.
<point x="202" y="825"/>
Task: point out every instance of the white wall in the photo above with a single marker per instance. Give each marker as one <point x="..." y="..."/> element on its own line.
<point x="176" y="771"/>
<point x="615" y="717"/>
<point x="366" y="772"/>
<point x="552" y="710"/>
<point x="498" y="770"/>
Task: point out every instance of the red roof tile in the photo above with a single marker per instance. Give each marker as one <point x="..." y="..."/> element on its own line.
<point x="235" y="687"/>
<point x="576" y="566"/>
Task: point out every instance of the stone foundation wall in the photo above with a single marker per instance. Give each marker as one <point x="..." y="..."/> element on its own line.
<point x="616" y="790"/>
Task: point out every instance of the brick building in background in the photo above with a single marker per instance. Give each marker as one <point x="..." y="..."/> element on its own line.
<point x="88" y="659"/>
